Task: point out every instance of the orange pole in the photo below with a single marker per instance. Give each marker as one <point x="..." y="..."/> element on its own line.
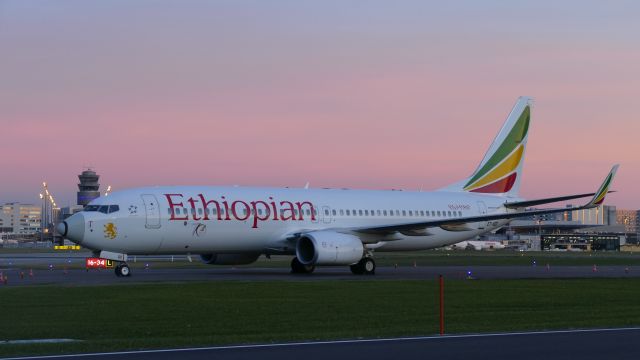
<point x="441" y="304"/>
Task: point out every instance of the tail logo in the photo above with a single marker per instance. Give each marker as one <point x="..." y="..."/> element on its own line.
<point x="498" y="174"/>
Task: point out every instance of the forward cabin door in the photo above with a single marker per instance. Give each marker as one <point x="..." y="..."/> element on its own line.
<point x="482" y="207"/>
<point x="152" y="210"/>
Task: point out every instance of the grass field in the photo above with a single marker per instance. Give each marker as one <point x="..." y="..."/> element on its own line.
<point x="110" y="318"/>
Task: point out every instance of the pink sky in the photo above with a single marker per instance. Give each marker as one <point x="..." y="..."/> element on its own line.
<point x="355" y="95"/>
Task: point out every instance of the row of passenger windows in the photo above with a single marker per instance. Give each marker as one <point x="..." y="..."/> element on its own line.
<point x="342" y="212"/>
<point x="105" y="209"/>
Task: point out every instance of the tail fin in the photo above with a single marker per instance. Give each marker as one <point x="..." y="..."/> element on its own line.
<point x="598" y="197"/>
<point x="500" y="171"/>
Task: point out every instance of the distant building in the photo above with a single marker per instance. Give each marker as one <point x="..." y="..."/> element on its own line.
<point x="603" y="215"/>
<point x="19" y="218"/>
<point x="628" y="218"/>
<point x="89" y="188"/>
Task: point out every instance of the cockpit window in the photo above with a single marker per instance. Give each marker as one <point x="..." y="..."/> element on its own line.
<point x="105" y="209"/>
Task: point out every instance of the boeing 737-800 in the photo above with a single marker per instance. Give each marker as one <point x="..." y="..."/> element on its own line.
<point x="235" y="225"/>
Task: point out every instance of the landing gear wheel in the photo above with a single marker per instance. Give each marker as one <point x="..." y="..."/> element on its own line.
<point x="123" y="270"/>
<point x="366" y="266"/>
<point x="369" y="266"/>
<point x="356" y="269"/>
<point x="299" y="268"/>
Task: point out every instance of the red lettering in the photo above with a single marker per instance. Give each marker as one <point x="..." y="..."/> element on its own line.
<point x="193" y="208"/>
<point x="205" y="204"/>
<point x="256" y="216"/>
<point x="172" y="205"/>
<point x="284" y="210"/>
<point x="275" y="210"/>
<point x="301" y="204"/>
<point x="246" y="210"/>
<point x="226" y="208"/>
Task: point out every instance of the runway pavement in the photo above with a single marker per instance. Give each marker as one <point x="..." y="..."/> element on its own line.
<point x="599" y="344"/>
<point x="20" y="276"/>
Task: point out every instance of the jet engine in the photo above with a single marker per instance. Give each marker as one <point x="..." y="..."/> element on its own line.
<point x="229" y="259"/>
<point x="329" y="248"/>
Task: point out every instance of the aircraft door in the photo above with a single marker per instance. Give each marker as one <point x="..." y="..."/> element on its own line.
<point x="482" y="207"/>
<point x="326" y="215"/>
<point x="152" y="210"/>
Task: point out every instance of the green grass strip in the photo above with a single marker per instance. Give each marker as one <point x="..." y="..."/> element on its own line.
<point x="110" y="318"/>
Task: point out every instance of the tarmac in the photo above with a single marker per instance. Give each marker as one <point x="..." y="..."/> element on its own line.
<point x="595" y="344"/>
<point x="58" y="275"/>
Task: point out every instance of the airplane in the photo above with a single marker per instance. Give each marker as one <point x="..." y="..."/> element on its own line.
<point x="318" y="227"/>
<point x="477" y="245"/>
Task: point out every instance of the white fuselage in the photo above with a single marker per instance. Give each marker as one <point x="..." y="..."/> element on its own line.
<point x="174" y="220"/>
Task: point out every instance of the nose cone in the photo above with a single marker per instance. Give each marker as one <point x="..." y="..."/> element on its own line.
<point x="72" y="228"/>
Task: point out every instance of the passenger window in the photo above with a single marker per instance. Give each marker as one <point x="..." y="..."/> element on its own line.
<point x="308" y="212"/>
<point x="449" y="213"/>
<point x="366" y="213"/>
<point x="410" y="213"/>
<point x="397" y="212"/>
<point x="334" y="212"/>
<point x="341" y="212"/>
<point x="378" y="212"/>
<point x="421" y="212"/>
<point x="348" y="213"/>
<point x="200" y="211"/>
<point x="460" y="213"/>
<point x="404" y="213"/>
<point x="326" y="212"/>
<point x="384" y="212"/>
<point x="104" y="209"/>
<point x="438" y="212"/>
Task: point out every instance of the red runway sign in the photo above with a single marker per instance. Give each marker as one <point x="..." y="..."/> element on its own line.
<point x="98" y="263"/>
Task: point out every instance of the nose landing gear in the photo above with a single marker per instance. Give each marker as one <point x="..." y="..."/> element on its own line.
<point x="123" y="270"/>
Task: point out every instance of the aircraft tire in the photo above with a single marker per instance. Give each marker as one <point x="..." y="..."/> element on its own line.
<point x="357" y="269"/>
<point x="368" y="266"/>
<point x="123" y="270"/>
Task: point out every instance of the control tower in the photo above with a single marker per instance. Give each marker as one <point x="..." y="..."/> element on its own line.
<point x="89" y="187"/>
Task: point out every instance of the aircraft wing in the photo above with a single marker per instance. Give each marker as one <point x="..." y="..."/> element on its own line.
<point x="530" y="203"/>
<point x="418" y="227"/>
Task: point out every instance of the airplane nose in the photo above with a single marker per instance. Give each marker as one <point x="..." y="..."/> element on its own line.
<point x="61" y="229"/>
<point x="72" y="228"/>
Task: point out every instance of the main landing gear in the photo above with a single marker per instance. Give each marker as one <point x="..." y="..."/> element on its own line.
<point x="122" y="269"/>
<point x="299" y="268"/>
<point x="366" y="266"/>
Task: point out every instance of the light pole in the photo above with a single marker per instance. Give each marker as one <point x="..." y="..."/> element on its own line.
<point x="42" y="218"/>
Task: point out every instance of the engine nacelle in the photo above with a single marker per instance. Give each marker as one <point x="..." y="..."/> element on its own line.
<point x="229" y="259"/>
<point x="329" y="248"/>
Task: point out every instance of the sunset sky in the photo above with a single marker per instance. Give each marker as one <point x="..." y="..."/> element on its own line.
<point x="358" y="94"/>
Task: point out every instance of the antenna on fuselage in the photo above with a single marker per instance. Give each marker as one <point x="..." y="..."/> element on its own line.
<point x="306" y="186"/>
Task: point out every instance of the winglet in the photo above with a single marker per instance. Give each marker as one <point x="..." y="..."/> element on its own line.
<point x="598" y="198"/>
